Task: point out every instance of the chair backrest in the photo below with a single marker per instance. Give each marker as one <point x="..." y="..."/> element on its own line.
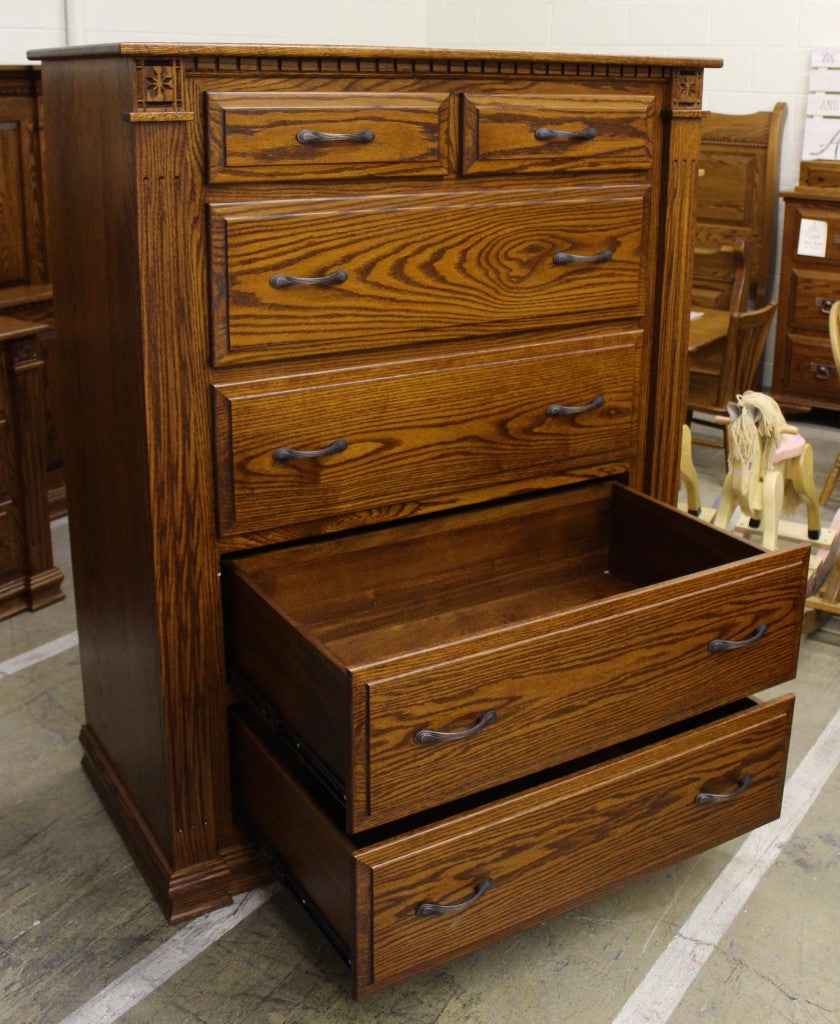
<point x="720" y="277"/>
<point x="737" y="194"/>
<point x="834" y="333"/>
<point x="743" y="351"/>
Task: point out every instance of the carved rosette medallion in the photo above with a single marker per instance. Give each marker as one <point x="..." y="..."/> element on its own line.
<point x="688" y="91"/>
<point x="159" y="89"/>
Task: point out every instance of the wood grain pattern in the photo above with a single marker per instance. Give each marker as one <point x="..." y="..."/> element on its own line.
<point x="438" y="630"/>
<point x="424" y="435"/>
<point x="253" y="136"/>
<point x="420" y="266"/>
<point x="537" y="846"/>
<point x="499" y="133"/>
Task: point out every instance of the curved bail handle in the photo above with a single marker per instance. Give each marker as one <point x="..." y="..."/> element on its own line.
<point x="435" y="909"/>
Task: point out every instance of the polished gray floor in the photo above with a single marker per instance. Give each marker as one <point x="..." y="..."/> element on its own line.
<point x="82" y="941"/>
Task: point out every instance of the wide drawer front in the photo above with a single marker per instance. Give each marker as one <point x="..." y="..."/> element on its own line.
<point x="401" y="905"/>
<point x="423" y="435"/>
<point x="820" y="239"/>
<point x="812" y="371"/>
<point x="812" y="293"/>
<point x="516" y="134"/>
<point x="265" y="136"/>
<point x="437" y="660"/>
<point x="312" y="278"/>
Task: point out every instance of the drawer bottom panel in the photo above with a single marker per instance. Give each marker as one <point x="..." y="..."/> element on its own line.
<point x="403" y="902"/>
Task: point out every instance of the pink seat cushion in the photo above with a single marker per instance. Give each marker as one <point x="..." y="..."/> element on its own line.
<point x="791" y="447"/>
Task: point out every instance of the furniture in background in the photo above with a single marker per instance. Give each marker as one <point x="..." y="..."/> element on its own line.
<point x="737" y="190"/>
<point x="720" y="277"/>
<point x="412" y="455"/>
<point x="28" y="578"/>
<point x="724" y="368"/>
<point x="804" y="372"/>
<point x="25" y="289"/>
<point x="834" y="339"/>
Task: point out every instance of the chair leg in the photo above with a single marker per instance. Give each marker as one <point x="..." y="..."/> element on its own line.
<point x="831" y="480"/>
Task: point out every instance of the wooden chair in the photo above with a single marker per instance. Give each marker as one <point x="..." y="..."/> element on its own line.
<point x="834" y="335"/>
<point x="737" y="194"/>
<point x="725" y="369"/>
<point x="720" y="277"/>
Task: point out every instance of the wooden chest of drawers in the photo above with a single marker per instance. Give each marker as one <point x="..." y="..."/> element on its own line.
<point x="803" y="369"/>
<point x="380" y="366"/>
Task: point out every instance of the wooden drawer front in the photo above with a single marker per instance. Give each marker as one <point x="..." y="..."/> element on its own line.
<point x="424" y="435"/>
<point x="268" y="136"/>
<point x="544" y="851"/>
<point x="403" y="270"/>
<point x="812" y="293"/>
<point x="525" y="633"/>
<point x="568" y="693"/>
<point x="812" y="372"/>
<point x="828" y="215"/>
<point x="505" y="134"/>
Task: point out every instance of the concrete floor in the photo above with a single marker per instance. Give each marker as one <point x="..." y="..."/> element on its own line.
<point x="82" y="942"/>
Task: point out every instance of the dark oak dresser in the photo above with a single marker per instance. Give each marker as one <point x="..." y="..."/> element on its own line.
<point x="804" y="374"/>
<point x="377" y="360"/>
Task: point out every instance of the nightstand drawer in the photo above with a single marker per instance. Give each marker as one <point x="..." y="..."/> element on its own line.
<point x="422" y="435"/>
<point x="545" y="134"/>
<point x="812" y="293"/>
<point x="275" y="136"/>
<point x="812" y="373"/>
<point x="419" y="663"/>
<point x="315" y="278"/>
<point x="398" y="904"/>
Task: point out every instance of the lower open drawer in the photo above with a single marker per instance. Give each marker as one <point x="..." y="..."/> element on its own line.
<point x="423" y="662"/>
<point x="397" y="903"/>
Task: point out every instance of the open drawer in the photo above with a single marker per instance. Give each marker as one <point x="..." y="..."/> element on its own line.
<point x="396" y="904"/>
<point x="417" y="663"/>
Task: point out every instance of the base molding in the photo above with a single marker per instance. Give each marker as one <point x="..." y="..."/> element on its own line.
<point x="183" y="893"/>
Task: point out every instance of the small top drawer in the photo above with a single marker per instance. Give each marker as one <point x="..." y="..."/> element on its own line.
<point x="273" y="136"/>
<point x="817" y="233"/>
<point x="504" y="134"/>
<point x="812" y="294"/>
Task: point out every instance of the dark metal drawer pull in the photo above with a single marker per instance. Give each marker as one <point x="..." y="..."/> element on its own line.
<point x="286" y="280"/>
<point x="560" y="259"/>
<point x="427" y="736"/>
<point x="825" y="305"/>
<point x="306" y="136"/>
<point x="547" y="134"/>
<point x="432" y="909"/>
<point x="573" y="410"/>
<point x="286" y="454"/>
<point x="723" y="798"/>
<point x="719" y="646"/>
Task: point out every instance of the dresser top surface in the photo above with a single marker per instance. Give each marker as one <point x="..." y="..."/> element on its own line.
<point x="140" y="49"/>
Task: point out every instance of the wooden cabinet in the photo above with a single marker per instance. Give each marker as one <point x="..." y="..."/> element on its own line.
<point x="804" y="374"/>
<point x="379" y="376"/>
<point x="25" y="289"/>
<point x="28" y="578"/>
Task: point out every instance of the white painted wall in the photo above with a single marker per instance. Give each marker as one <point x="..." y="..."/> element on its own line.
<point x="766" y="44"/>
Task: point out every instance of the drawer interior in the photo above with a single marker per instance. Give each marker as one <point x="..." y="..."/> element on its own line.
<point x="389" y="592"/>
